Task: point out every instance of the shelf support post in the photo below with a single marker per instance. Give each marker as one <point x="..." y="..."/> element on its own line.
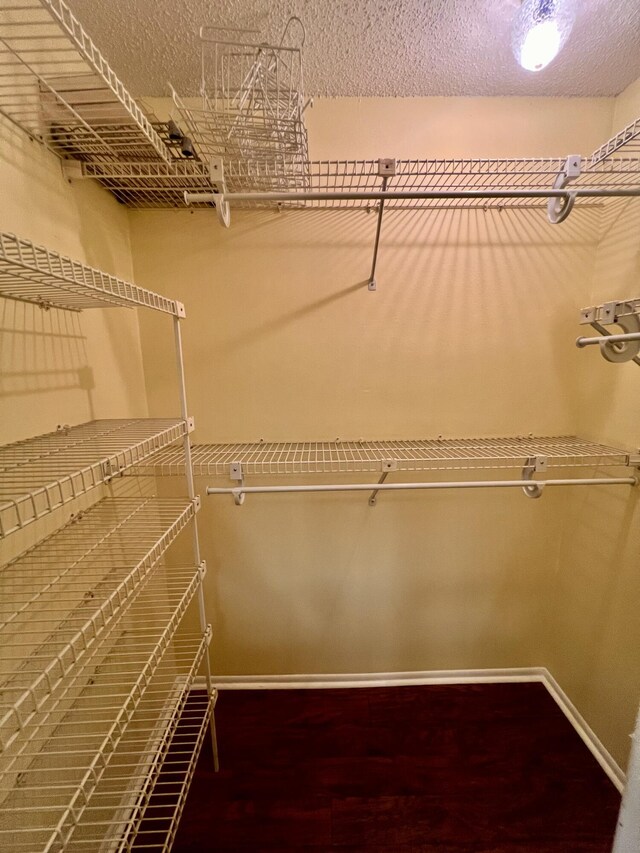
<point x="204" y="626"/>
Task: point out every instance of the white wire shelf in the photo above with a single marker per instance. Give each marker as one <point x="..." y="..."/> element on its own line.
<point x="39" y="475"/>
<point x="149" y="185"/>
<point x="65" y="596"/>
<point x="441" y="454"/>
<point x="626" y="143"/>
<point x="59" y="88"/>
<point x="85" y="784"/>
<point x="156" y="790"/>
<point x="35" y="274"/>
<point x="609" y="311"/>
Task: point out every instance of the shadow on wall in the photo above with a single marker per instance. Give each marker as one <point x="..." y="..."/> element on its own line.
<point x="42" y="351"/>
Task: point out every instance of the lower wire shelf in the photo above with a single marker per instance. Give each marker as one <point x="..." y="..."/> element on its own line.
<point x="94" y="675"/>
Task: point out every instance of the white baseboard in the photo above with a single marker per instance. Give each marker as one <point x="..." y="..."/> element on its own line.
<point x="453" y="676"/>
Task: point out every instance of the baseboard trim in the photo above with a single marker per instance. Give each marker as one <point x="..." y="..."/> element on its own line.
<point x="584" y="730"/>
<point x="453" y="676"/>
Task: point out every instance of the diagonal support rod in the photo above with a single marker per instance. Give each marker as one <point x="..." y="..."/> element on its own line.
<point x="374" y="494"/>
<point x="371" y="285"/>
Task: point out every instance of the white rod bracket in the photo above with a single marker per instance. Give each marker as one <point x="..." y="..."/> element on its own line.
<point x="533" y="465"/>
<point x="559" y="208"/>
<point x="216" y="174"/>
<point x="615" y="348"/>
<point x="236" y="473"/>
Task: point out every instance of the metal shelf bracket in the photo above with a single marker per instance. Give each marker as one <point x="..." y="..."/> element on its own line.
<point x="614" y="348"/>
<point x="534" y="464"/>
<point x="558" y="208"/>
<point x="236" y="473"/>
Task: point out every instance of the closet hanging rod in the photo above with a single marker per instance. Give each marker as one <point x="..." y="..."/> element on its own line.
<point x="608" y="339"/>
<point x="379" y="195"/>
<point x="239" y="492"/>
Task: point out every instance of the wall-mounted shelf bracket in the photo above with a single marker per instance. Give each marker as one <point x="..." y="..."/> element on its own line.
<point x="236" y="473"/>
<point x="386" y="170"/>
<point x="558" y="208"/>
<point x="534" y="465"/>
<point x="614" y="348"/>
<point x="388" y="465"/>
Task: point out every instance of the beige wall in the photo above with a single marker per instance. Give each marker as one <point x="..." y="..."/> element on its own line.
<point x="470" y="333"/>
<point x="59" y="366"/>
<point x="594" y="627"/>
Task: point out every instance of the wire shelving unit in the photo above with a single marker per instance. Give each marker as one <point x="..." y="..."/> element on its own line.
<point x="96" y="675"/>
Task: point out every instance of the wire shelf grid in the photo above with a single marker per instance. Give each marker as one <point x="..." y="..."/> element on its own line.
<point x="64" y="595"/>
<point x="148" y="185"/>
<point x="626" y="142"/>
<point x="42" y="474"/>
<point x="59" y="88"/>
<point x="35" y="274"/>
<point x="127" y="712"/>
<point x="441" y="454"/>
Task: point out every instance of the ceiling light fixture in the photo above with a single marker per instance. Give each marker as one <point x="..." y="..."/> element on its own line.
<point x="541" y="28"/>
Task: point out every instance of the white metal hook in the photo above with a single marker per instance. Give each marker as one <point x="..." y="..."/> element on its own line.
<point x="533" y="464"/>
<point x="559" y="207"/>
<point x="238" y="496"/>
<point x="223" y="210"/>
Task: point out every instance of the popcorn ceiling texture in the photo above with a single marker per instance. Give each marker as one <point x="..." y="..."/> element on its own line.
<point x="373" y="47"/>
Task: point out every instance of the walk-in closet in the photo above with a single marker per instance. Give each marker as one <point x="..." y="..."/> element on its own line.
<point x="319" y="463"/>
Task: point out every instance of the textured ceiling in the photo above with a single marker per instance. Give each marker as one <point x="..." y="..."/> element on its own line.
<point x="373" y="47"/>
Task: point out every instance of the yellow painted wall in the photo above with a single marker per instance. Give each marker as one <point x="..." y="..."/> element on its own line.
<point x="594" y="626"/>
<point x="57" y="366"/>
<point x="470" y="333"/>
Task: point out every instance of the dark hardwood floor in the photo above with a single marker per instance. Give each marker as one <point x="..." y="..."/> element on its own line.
<point x="455" y="769"/>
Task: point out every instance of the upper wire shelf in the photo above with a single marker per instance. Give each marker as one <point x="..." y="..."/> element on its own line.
<point x="626" y="141"/>
<point x="35" y="274"/>
<point x="442" y="454"/>
<point x="59" y="88"/>
<point x="39" y="475"/>
<point x="154" y="185"/>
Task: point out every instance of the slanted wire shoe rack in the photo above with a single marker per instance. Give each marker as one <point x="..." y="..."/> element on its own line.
<point x="96" y="702"/>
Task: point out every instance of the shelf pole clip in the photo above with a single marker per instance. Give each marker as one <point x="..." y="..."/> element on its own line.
<point x="613" y="347"/>
<point x="533" y="465"/>
<point x="559" y="207"/>
<point x="216" y="174"/>
<point x="236" y="473"/>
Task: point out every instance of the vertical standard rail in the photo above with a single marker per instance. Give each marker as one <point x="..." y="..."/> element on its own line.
<point x="194" y="529"/>
<point x="627" y="838"/>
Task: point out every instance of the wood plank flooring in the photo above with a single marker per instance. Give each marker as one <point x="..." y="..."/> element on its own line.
<point x="454" y="769"/>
